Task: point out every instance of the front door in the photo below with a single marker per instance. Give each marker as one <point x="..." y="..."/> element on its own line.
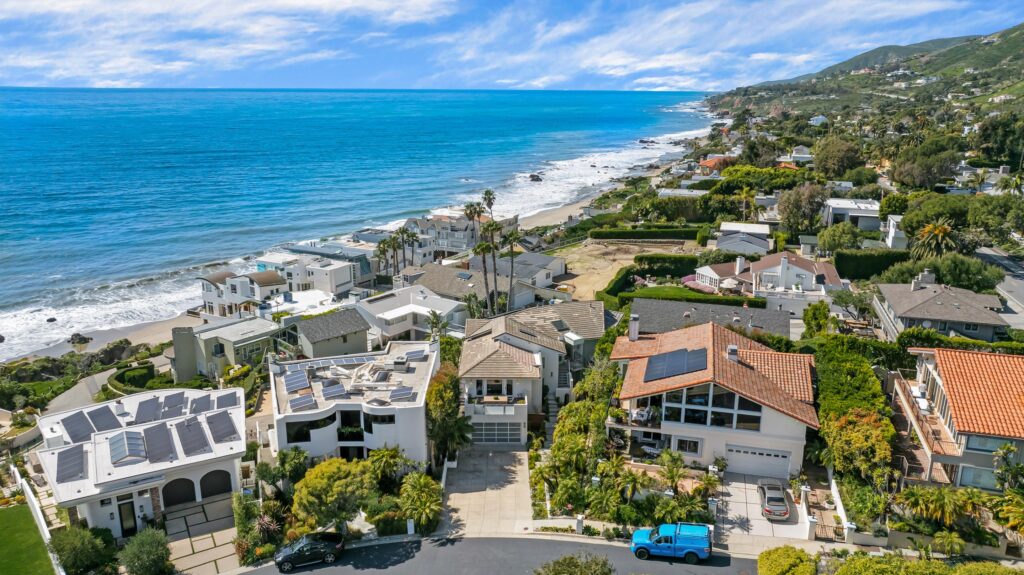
<point x="127" y="512"/>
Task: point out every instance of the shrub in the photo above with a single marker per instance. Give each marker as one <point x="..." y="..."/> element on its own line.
<point x="685" y="294"/>
<point x="846" y="382"/>
<point x="648" y="234"/>
<point x="78" y="550"/>
<point x="703" y="234"/>
<point x="147" y="554"/>
<point x="785" y="560"/>
<point x="857" y="264"/>
<point x="677" y="265"/>
<point x="265" y="551"/>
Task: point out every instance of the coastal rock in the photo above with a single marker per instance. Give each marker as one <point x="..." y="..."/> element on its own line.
<point x="78" y="339"/>
<point x="535" y="178"/>
<point x="593" y="165"/>
<point x="645" y="141"/>
<point x="2" y="339"/>
<point x="51" y="320"/>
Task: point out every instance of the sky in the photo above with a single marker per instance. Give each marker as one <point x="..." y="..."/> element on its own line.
<point x="454" y="44"/>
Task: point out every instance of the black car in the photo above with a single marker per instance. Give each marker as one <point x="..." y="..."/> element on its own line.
<point x="310" y="548"/>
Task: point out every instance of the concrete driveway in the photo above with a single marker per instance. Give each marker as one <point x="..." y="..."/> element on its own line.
<point x="201" y="536"/>
<point x="739" y="511"/>
<point x="488" y="494"/>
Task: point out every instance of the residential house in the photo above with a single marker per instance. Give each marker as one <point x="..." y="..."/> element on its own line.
<point x="863" y="214"/>
<point x="123" y="465"/>
<point x="307" y="272"/>
<point x="661" y="316"/>
<point x="713" y="166"/>
<point x="817" y="120"/>
<point x="404" y="313"/>
<point x="532" y="268"/>
<point x="457" y="283"/>
<point x="706" y="392"/>
<point x="349" y="405"/>
<point x="799" y="155"/>
<point x="206" y="350"/>
<point x="809" y="245"/>
<point x="449" y="232"/>
<point x="508" y="360"/>
<point x="946" y="309"/>
<point x="743" y="238"/>
<point x="962" y="406"/>
<point x="227" y="294"/>
<point x="839" y="186"/>
<point x="360" y="255"/>
<point x="338" y="332"/>
<point x="895" y="239"/>
<point x="782" y="274"/>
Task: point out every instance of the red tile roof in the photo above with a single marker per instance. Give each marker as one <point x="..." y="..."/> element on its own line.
<point x="780" y="381"/>
<point x="715" y="163"/>
<point x="985" y="391"/>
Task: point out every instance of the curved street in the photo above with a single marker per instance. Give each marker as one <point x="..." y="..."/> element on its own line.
<point x="510" y="556"/>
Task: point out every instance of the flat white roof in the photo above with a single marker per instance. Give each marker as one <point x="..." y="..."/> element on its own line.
<point x="305" y="302"/>
<point x="277" y="258"/>
<point x="853" y="204"/>
<point x="242" y="330"/>
<point x="758" y="229"/>
<point x="405" y="300"/>
<point x="91" y="431"/>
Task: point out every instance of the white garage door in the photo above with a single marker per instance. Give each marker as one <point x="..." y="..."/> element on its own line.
<point x="758" y="461"/>
<point x="499" y="432"/>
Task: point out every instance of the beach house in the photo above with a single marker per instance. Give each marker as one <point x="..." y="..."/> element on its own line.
<point x="532" y="268"/>
<point x="206" y="350"/>
<point x="122" y="465"/>
<point x="404" y="313"/>
<point x="449" y="232"/>
<point x="227" y="294"/>
<point x="744" y="238"/>
<point x="779" y="274"/>
<point x="337" y="332"/>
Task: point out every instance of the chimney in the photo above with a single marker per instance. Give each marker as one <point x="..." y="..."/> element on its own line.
<point x="1004" y="170"/>
<point x="741" y="263"/>
<point x="634" y="327"/>
<point x="733" y="353"/>
<point x="925" y="278"/>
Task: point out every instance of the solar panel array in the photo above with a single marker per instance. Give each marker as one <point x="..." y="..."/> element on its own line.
<point x="464" y="275"/>
<point x="174" y="405"/>
<point x="302" y="402"/>
<point x="301" y="367"/>
<point x="295" y="381"/>
<point x="127" y="445"/>
<point x="415" y="354"/>
<point x="227" y="400"/>
<point x="673" y="363"/>
<point x="332" y="391"/>
<point x="221" y="427"/>
<point x="103" y="419"/>
<point x="149" y="410"/>
<point x="159" y="445"/>
<point x="199" y="405"/>
<point x="71" y="464"/>
<point x="400" y="392"/>
<point x="78" y="427"/>
<point x="192" y="437"/>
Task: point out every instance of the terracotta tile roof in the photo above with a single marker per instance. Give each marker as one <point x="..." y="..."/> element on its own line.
<point x="715" y="163"/>
<point x="780" y="381"/>
<point x="985" y="391"/>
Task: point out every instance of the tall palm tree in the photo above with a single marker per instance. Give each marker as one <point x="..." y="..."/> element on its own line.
<point x="387" y="463"/>
<point x="511" y="240"/>
<point x="473" y="306"/>
<point x="934" y="239"/>
<point x="747" y="196"/>
<point x="488" y="200"/>
<point x="482" y="249"/>
<point x="492" y="229"/>
<point x="671" y="471"/>
<point x="438" y="325"/>
<point x="408" y="239"/>
<point x="977" y="179"/>
<point x="632" y="481"/>
<point x="449" y="436"/>
<point x="612" y="467"/>
<point x="382" y="253"/>
<point x="420" y="499"/>
<point x="473" y="211"/>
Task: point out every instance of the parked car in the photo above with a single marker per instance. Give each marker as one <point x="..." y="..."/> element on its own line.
<point x="774" y="505"/>
<point x="323" y="547"/>
<point x="689" y="541"/>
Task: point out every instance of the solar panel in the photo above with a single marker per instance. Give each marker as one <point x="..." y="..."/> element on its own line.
<point x="174" y="399"/>
<point x="149" y="410"/>
<point x="227" y="400"/>
<point x="103" y="419"/>
<point x="303" y="402"/>
<point x="334" y="391"/>
<point x="127" y="445"/>
<point x="221" y="427"/>
<point x="400" y="392"/>
<point x="415" y="354"/>
<point x="78" y="427"/>
<point x="192" y="437"/>
<point x="199" y="404"/>
<point x="675" y="363"/>
<point x="464" y="275"/>
<point x="159" y="446"/>
<point x="172" y="411"/>
<point x="71" y="464"/>
<point x="296" y="381"/>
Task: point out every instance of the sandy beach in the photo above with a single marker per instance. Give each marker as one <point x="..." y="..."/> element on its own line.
<point x="554" y="216"/>
<point x="151" y="333"/>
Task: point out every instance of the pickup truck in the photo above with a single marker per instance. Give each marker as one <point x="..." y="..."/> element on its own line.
<point x="688" y="541"/>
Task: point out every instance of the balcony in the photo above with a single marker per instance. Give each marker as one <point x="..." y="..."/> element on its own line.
<point x="497" y="405"/>
<point x="917" y="410"/>
<point x="644" y="419"/>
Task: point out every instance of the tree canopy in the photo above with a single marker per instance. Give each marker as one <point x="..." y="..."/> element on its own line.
<point x="834" y="156"/>
<point x="333" y="490"/>
<point x="800" y="208"/>
<point x="843" y="235"/>
<point x="957" y="270"/>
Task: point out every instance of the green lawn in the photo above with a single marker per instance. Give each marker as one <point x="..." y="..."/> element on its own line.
<point x="19" y="537"/>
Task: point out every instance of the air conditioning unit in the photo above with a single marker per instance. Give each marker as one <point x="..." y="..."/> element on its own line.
<point x="399" y="364"/>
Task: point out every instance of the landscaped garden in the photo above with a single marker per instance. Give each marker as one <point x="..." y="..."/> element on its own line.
<point x="19" y="538"/>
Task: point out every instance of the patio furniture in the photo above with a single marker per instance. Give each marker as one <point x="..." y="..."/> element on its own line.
<point x="641" y="415"/>
<point x="923" y="405"/>
<point x="652" y="451"/>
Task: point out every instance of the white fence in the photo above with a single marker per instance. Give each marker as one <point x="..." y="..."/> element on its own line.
<point x="37" y="514"/>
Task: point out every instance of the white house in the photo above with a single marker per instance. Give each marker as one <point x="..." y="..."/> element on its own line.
<point x="706" y="392"/>
<point x="894" y="236"/>
<point x="121" y="465"/>
<point x="227" y="294"/>
<point x="800" y="155"/>
<point x="743" y="238"/>
<point x="405" y="313"/>
<point x="346" y="406"/>
<point x="817" y="120"/>
<point x="206" y="350"/>
<point x="778" y="274"/>
<point x="305" y="272"/>
<point x="863" y="214"/>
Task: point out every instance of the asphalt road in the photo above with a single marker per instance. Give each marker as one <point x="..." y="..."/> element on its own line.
<point x="512" y="556"/>
<point x="1013" y="286"/>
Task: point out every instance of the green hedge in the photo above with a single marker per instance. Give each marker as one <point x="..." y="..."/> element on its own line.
<point x="130" y="376"/>
<point x="650" y="234"/>
<point x="619" y="282"/>
<point x="921" y="337"/>
<point x="786" y="560"/>
<point x="703" y="234"/>
<point x="857" y="264"/>
<point x="845" y="382"/>
<point x="675" y="293"/>
<point x="677" y="265"/>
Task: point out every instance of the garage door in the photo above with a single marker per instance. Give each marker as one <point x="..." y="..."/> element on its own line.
<point x="498" y="432"/>
<point x="215" y="483"/>
<point x="758" y="461"/>
<point x="179" y="491"/>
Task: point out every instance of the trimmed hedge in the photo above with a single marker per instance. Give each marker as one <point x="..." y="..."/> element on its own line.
<point x="649" y="234"/>
<point x="786" y="560"/>
<point x="130" y="376"/>
<point x="675" y="293"/>
<point x="921" y="337"/>
<point x="857" y="264"/>
<point x="619" y="282"/>
<point x="677" y="265"/>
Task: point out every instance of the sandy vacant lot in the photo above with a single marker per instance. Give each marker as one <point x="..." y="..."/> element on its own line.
<point x="592" y="264"/>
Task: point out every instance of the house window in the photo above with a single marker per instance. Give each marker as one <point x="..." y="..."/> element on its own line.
<point x="723" y="398"/>
<point x="747" y="405"/>
<point x="494" y="388"/>
<point x="124" y="497"/>
<point x="479" y="387"/>
<point x="977" y="477"/>
<point x="106" y="502"/>
<point x="234" y="288"/>
<point x="748" y="422"/>
<point x="698" y="395"/>
<point x="298" y="431"/>
<point x="721" y="419"/>
<point x="970" y="327"/>
<point x="688" y="446"/>
<point x="673" y="414"/>
<point x="674" y="397"/>
<point x="696" y="416"/>
<point x="984" y="444"/>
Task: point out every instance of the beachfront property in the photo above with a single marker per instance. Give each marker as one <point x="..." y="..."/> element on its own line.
<point x="949" y="310"/>
<point x="206" y="350"/>
<point x="307" y="272"/>
<point x="349" y="405"/>
<point x="404" y="313"/>
<point x="508" y="360"/>
<point x="893" y="235"/>
<point x="661" y="316"/>
<point x="532" y="268"/>
<point x="779" y="274"/>
<point x="706" y="392"/>
<point x="863" y="214"/>
<point x="744" y="238"/>
<point x="449" y="232"/>
<point x="227" y="294"/>
<point x="360" y="255"/>
<point x="456" y="283"/>
<point x="121" y="465"/>
<point x="338" y="332"/>
<point x="962" y="406"/>
<point x="712" y="166"/>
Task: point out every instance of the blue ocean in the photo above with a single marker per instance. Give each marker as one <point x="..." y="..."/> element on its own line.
<point x="112" y="198"/>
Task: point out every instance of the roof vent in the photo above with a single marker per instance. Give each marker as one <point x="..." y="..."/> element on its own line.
<point x="733" y="353"/>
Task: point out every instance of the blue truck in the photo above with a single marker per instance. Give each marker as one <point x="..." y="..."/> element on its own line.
<point x="690" y="542"/>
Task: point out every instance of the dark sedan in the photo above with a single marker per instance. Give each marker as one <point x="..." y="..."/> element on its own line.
<point x="323" y="547"/>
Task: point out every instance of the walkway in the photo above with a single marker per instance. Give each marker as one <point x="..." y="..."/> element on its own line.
<point x="488" y="493"/>
<point x="81" y="394"/>
<point x="200" y="536"/>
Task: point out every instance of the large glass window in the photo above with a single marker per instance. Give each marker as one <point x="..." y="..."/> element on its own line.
<point x="698" y="395"/>
<point x="747" y="405"/>
<point x="688" y="446"/>
<point x="674" y="397"/>
<point x="721" y="418"/>
<point x="350" y="426"/>
<point x="673" y="414"/>
<point x="723" y="398"/>
<point x="978" y="477"/>
<point x="696" y="416"/>
<point x="986" y="444"/>
<point x="298" y="431"/>
<point x="748" y="422"/>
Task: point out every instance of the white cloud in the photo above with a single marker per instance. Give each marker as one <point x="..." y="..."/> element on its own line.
<point x="317" y="56"/>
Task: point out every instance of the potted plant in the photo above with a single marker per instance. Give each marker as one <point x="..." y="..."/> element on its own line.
<point x="830" y="503"/>
<point x="794" y="486"/>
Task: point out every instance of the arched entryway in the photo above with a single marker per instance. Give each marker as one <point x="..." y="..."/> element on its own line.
<point x="215" y="483"/>
<point x="179" y="491"/>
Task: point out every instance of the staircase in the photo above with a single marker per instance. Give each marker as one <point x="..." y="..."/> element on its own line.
<point x="549" y="425"/>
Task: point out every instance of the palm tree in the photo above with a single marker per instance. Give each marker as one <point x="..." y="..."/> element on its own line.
<point x="420" y="499"/>
<point x="612" y="467"/>
<point x="511" y="240"/>
<point x="934" y="239"/>
<point x="707" y="485"/>
<point x="482" y="249"/>
<point x="488" y="200"/>
<point x="945" y="505"/>
<point x="915" y="500"/>
<point x="406" y="238"/>
<point x="746" y="196"/>
<point x="473" y="306"/>
<point x="473" y="211"/>
<point x="438" y="325"/>
<point x="492" y="229"/>
<point x="449" y="436"/>
<point x="977" y="179"/>
<point x="671" y="471"/>
<point x="1009" y="508"/>
<point x="603" y="501"/>
<point x="382" y="252"/>
<point x="632" y="481"/>
<point x="386" y="463"/>
<point x="949" y="542"/>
